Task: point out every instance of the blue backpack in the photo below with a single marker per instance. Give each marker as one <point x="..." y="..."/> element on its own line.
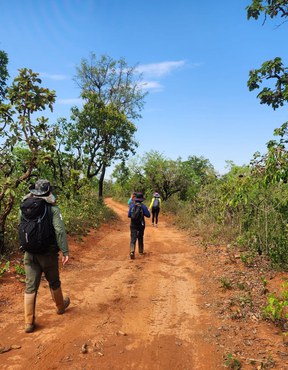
<point x="137" y="214"/>
<point x="156" y="203"/>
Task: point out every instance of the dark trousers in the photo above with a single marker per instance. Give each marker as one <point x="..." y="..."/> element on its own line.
<point x="155" y="213"/>
<point x="35" y="265"/>
<point x="137" y="233"/>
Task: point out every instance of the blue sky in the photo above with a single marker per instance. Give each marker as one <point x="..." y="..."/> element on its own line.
<point x="195" y="57"/>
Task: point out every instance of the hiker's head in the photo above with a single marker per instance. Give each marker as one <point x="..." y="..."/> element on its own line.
<point x="139" y="197"/>
<point x="41" y="188"/>
<point x="156" y="195"/>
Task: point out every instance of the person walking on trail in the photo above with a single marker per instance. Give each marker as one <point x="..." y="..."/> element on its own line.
<point x="131" y="199"/>
<point x="41" y="239"/>
<point x="137" y="213"/>
<point x="155" y="206"/>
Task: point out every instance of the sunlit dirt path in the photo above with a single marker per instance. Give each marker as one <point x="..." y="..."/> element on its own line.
<point x="124" y="314"/>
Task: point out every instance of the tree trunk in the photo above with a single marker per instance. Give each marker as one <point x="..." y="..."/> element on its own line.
<point x="101" y="182"/>
<point x="2" y="245"/>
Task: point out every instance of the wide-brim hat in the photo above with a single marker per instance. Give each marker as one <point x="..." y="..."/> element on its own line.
<point x="139" y="197"/>
<point x="41" y="187"/>
<point x="156" y="195"/>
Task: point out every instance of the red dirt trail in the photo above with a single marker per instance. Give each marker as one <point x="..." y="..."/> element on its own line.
<point x="124" y="314"/>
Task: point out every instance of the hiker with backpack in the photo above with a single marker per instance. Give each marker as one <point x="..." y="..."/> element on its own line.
<point x="131" y="199"/>
<point x="42" y="235"/>
<point x="155" y="206"/>
<point x="137" y="213"/>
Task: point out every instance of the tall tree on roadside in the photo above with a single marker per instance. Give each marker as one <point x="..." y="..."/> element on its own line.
<point x="163" y="175"/>
<point x="197" y="171"/>
<point x="25" y="97"/>
<point x="273" y="164"/>
<point x="272" y="69"/>
<point x="4" y="75"/>
<point x="113" y="98"/>
<point x="100" y="134"/>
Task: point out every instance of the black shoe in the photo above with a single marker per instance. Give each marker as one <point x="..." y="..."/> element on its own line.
<point x="132" y="256"/>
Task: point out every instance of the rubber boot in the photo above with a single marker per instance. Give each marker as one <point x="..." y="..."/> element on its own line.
<point x="141" y="246"/>
<point x="29" y="311"/>
<point x="61" y="303"/>
<point x="132" y="251"/>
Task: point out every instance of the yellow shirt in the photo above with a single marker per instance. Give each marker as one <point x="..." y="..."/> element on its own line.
<point x="152" y="201"/>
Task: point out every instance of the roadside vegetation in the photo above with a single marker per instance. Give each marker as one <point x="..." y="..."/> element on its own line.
<point x="245" y="210"/>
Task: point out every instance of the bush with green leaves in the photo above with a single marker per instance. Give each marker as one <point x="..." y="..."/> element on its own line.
<point x="276" y="306"/>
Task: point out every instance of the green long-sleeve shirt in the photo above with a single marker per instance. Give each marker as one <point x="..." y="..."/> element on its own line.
<point x="58" y="224"/>
<point x="60" y="232"/>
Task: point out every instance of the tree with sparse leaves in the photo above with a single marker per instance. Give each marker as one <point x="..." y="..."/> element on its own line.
<point x="269" y="8"/>
<point x="272" y="165"/>
<point x="25" y="98"/>
<point x="113" y="98"/>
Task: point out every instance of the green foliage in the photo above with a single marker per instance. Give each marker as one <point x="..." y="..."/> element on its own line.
<point x="271" y="69"/>
<point x="240" y="208"/>
<point x="197" y="171"/>
<point x="83" y="212"/>
<point x="4" y="75"/>
<point x="113" y="81"/>
<point x="19" y="270"/>
<point x="163" y="175"/>
<point x="248" y="259"/>
<point x="225" y="283"/>
<point x="100" y="133"/>
<point x="272" y="166"/>
<point x="270" y="8"/>
<point x="275" y="309"/>
<point x="21" y="131"/>
<point x="4" y="268"/>
<point x="103" y="131"/>
<point x="232" y="362"/>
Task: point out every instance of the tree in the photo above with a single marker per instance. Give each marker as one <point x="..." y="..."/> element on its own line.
<point x="25" y="98"/>
<point x="163" y="175"/>
<point x="197" y="171"/>
<point x="271" y="69"/>
<point x="100" y="134"/>
<point x="273" y="164"/>
<point x="4" y="75"/>
<point x="113" y="98"/>
<point x="270" y="8"/>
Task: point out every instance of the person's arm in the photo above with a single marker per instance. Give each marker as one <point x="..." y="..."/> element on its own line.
<point x="60" y="233"/>
<point x="151" y="204"/>
<point x="145" y="211"/>
<point x="129" y="212"/>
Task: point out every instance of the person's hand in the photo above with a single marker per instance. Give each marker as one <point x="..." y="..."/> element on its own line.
<point x="65" y="260"/>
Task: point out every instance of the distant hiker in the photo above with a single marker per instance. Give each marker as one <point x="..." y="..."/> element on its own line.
<point x="42" y="234"/>
<point x="131" y="199"/>
<point x="155" y="206"/>
<point x="137" y="213"/>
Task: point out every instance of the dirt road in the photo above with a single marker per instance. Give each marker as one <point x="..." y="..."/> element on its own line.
<point x="125" y="314"/>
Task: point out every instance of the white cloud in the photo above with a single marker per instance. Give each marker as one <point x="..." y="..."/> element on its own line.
<point x="54" y="77"/>
<point x="72" y="101"/>
<point x="159" y="69"/>
<point x="153" y="86"/>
